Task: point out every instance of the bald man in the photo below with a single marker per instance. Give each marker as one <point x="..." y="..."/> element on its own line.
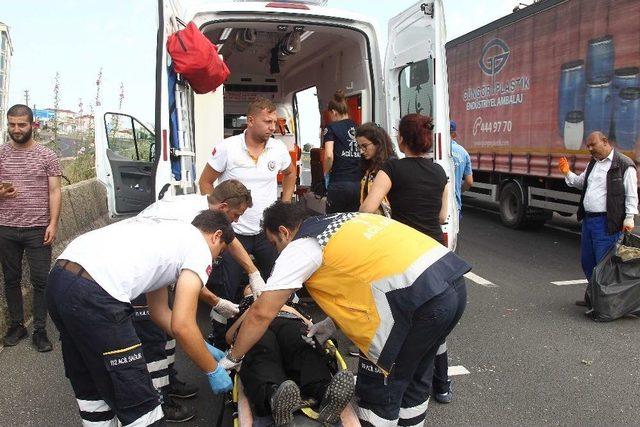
<point x="608" y="203"/>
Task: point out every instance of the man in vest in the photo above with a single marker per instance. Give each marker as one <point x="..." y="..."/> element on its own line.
<point x="608" y="203"/>
<point x="393" y="291"/>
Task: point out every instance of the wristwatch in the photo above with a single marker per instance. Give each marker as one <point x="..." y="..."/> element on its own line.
<point x="234" y="359"/>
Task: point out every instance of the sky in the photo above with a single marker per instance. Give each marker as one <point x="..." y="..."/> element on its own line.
<point x="77" y="38"/>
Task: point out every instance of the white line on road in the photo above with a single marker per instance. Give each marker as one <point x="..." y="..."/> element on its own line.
<point x="566" y="230"/>
<point x="571" y="282"/>
<point x="480" y="281"/>
<point x="458" y="370"/>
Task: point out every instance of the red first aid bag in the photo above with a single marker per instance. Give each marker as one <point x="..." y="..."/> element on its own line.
<point x="196" y="59"/>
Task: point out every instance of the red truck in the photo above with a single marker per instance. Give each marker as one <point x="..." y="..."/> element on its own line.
<point x="530" y="87"/>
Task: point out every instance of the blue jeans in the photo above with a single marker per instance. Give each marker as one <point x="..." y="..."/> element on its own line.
<point x="595" y="242"/>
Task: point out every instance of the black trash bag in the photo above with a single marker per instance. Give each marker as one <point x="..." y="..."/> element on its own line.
<point x="614" y="288"/>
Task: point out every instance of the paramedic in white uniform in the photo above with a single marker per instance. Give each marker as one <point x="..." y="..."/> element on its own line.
<point x="89" y="295"/>
<point x="231" y="198"/>
<point x="254" y="158"/>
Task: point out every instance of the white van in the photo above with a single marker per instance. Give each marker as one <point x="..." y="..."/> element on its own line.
<point x="275" y="50"/>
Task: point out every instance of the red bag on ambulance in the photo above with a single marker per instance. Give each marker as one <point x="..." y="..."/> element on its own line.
<point x="196" y="59"/>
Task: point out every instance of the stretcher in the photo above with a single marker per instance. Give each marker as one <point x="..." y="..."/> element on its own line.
<point x="237" y="408"/>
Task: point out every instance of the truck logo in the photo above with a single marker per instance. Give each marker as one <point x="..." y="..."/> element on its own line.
<point x="494" y="57"/>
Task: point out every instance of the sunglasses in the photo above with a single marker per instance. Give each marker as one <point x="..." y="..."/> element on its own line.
<point x="363" y="147"/>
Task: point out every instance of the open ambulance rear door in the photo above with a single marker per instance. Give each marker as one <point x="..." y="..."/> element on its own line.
<point x="138" y="163"/>
<point x="416" y="82"/>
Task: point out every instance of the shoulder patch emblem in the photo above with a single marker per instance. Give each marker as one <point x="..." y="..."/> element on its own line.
<point x="271" y="165"/>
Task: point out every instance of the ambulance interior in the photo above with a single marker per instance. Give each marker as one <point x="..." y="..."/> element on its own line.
<point x="298" y="67"/>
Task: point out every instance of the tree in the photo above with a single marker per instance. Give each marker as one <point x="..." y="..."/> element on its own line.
<point x="56" y="105"/>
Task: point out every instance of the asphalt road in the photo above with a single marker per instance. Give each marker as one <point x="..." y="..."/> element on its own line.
<point x="533" y="357"/>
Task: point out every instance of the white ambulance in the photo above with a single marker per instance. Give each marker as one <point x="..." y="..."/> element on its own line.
<point x="277" y="50"/>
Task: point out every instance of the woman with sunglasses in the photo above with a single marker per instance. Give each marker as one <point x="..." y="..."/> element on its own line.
<point x="376" y="148"/>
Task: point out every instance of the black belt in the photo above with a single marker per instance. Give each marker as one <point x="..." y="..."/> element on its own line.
<point x="594" y="214"/>
<point x="74" y="268"/>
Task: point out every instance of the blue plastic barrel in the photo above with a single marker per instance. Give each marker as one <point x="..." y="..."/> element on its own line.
<point x="627" y="117"/>
<point x="570" y="91"/>
<point x="623" y="78"/>
<point x="600" y="58"/>
<point x="598" y="107"/>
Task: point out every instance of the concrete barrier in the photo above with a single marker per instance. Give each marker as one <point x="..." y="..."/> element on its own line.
<point x="84" y="208"/>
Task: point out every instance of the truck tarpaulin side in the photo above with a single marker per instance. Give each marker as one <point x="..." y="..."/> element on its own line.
<point x="530" y="87"/>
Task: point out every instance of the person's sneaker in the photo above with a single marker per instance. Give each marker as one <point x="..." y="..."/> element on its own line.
<point x="41" y="341"/>
<point x="177" y="413"/>
<point x="444" y="397"/>
<point x="284" y="402"/>
<point x="337" y="396"/>
<point x="181" y="390"/>
<point x="14" y="335"/>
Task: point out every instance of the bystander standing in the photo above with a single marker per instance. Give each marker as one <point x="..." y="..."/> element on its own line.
<point x="29" y="211"/>
<point x="608" y="203"/>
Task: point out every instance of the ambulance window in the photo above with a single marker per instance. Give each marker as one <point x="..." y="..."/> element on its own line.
<point x="129" y="138"/>
<point x="416" y="88"/>
<point x="307" y="119"/>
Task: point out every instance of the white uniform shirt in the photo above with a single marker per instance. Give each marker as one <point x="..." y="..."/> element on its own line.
<point x="297" y="262"/>
<point x="595" y="199"/>
<point x="132" y="257"/>
<point x="177" y="208"/>
<point x="231" y="158"/>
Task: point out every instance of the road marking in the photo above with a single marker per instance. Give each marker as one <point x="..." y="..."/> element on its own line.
<point x="458" y="370"/>
<point x="480" y="281"/>
<point x="571" y="282"/>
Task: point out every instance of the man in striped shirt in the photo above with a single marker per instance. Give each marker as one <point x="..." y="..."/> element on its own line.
<point x="29" y="211"/>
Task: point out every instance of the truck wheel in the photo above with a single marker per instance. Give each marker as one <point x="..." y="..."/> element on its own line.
<point x="513" y="212"/>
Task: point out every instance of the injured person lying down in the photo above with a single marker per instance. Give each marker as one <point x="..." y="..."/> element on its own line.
<point x="283" y="368"/>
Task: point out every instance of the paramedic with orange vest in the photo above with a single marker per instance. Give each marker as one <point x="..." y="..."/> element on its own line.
<point x="388" y="287"/>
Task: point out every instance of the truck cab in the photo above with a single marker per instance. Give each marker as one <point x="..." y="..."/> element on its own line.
<point x="296" y="54"/>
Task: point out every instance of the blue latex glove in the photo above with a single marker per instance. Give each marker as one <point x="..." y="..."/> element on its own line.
<point x="215" y="352"/>
<point x="326" y="180"/>
<point x="219" y="380"/>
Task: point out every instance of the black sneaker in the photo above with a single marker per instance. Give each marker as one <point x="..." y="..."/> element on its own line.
<point x="181" y="390"/>
<point x="41" y="341"/>
<point x="14" y="335"/>
<point x="337" y="396"/>
<point x="444" y="397"/>
<point x="284" y="402"/>
<point x="177" y="413"/>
